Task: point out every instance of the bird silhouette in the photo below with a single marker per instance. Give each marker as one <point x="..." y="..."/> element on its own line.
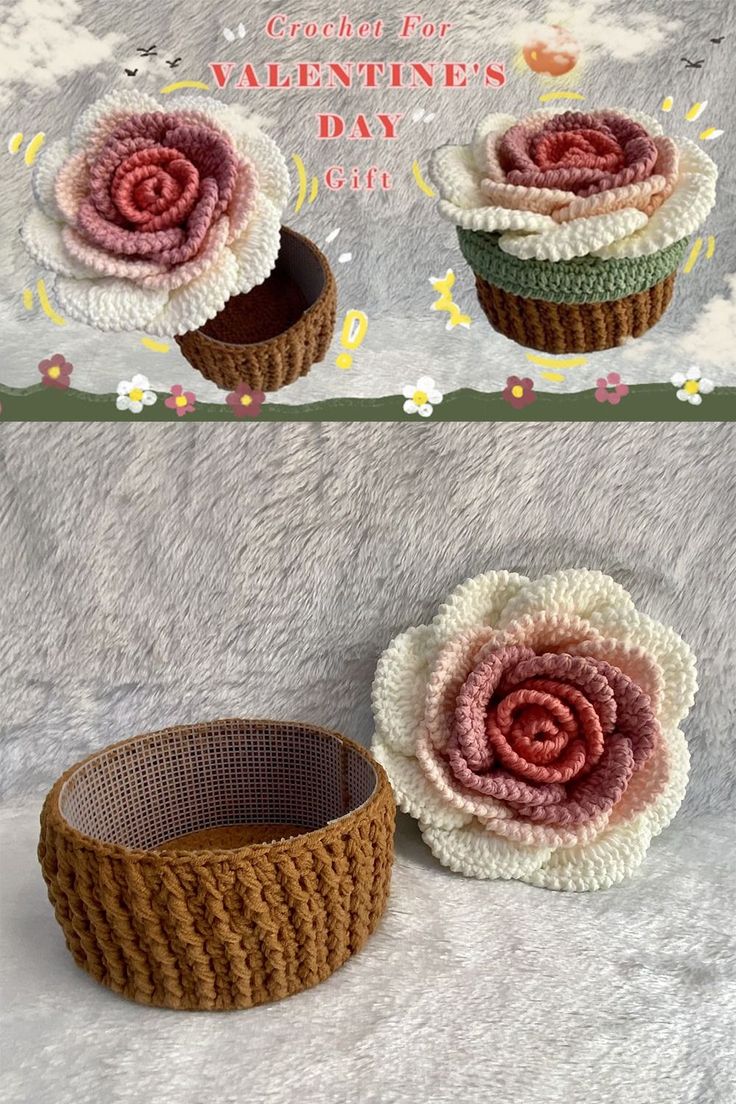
<point x="131" y="72"/>
<point x="718" y="41"/>
<point x="693" y="64"/>
<point x="173" y="64"/>
<point x="147" y="51"/>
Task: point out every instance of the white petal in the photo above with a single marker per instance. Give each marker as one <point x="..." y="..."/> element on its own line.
<point x="42" y="237"/>
<point x="408" y="392"/>
<point x="695" y="400"/>
<point x="683" y="396"/>
<point x="410" y="407"/>
<point x="706" y="385"/>
<point x="399" y="688"/>
<point x="257" y="248"/>
<point x="122" y="402"/>
<point x="425" y="411"/>
<point x="435" y="397"/>
<point x="110" y="304"/>
<point x="140" y="382"/>
<point x="476" y="602"/>
<point x="577" y="593"/>
<point x="693" y="373"/>
<point x="195" y="303"/>
<point x="414" y="794"/>
<point x="578" y="238"/>
<point x="44" y="177"/>
<point x="124" y="387"/>
<point x="479" y="853"/>
<point x="681" y="213"/>
<point x="678" y="379"/>
<point x="426" y="383"/>
<point x="674" y="656"/>
<point x="135" y="406"/>
<point x="149" y="398"/>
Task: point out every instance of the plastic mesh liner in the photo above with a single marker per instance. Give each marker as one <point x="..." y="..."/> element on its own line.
<point x="147" y="791"/>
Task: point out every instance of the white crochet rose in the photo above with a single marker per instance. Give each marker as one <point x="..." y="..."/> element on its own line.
<point x="533" y="728"/>
<point x="629" y="214"/>
<point x="153" y="215"/>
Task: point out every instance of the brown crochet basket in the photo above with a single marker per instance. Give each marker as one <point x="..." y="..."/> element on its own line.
<point x="573" y="327"/>
<point x="220" y="865"/>
<point x="272" y="335"/>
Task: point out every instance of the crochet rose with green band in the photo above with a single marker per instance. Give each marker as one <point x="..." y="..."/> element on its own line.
<point x="152" y="217"/>
<point x="533" y="728"/>
<point x="553" y="189"/>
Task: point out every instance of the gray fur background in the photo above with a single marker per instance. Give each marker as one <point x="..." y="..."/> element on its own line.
<point x="58" y="57"/>
<point x="181" y="573"/>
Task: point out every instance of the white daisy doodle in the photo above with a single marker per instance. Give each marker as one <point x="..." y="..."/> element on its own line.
<point x="691" y="386"/>
<point x="422" y="398"/>
<point x="134" y="394"/>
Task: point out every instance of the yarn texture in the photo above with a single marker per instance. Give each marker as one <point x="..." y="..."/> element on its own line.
<point x="152" y="219"/>
<point x="203" y="926"/>
<point x="558" y="186"/>
<point x="533" y="728"/>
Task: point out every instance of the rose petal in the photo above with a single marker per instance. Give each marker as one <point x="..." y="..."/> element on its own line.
<point x="49" y="162"/>
<point x="577" y="593"/>
<point x="190" y="306"/>
<point x="42" y="237"/>
<point x="399" y="689"/>
<point x="414" y="793"/>
<point x="477" y="853"/>
<point x="477" y="603"/>
<point x="110" y="304"/>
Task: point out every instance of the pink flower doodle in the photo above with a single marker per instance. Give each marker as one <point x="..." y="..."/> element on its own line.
<point x="183" y="402"/>
<point x="55" y="371"/>
<point x="610" y="389"/>
<point x="244" y="402"/>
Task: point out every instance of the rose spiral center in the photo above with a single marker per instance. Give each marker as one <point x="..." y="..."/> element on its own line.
<point x="155" y="188"/>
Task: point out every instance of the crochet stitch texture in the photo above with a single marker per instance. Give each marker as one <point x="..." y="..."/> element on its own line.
<point x="607" y="184"/>
<point x="153" y="219"/>
<point x="533" y="728"/>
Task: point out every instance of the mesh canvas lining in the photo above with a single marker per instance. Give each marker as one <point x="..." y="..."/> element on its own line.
<point x="181" y="780"/>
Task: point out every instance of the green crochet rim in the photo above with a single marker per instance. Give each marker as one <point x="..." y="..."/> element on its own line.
<point x="581" y="280"/>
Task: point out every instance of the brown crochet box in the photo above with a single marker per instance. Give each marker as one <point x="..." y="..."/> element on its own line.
<point x="221" y="865"/>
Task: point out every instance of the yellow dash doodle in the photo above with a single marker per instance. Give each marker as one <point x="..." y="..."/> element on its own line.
<point x="28" y="299"/>
<point x="32" y="150"/>
<point x="48" y="310"/>
<point x="709" y="134"/>
<point x="696" y="110"/>
<point x="155" y="346"/>
<point x="354" y="333"/>
<point x="444" y="286"/>
<point x="421" y="182"/>
<point x="556" y="362"/>
<point x="556" y="377"/>
<point x="667" y="103"/>
<point x="15" y="143"/>
<point x="302" y="175"/>
<point x="314" y="189"/>
<point x="546" y="97"/>
<point x="184" y="84"/>
<point x="694" y="254"/>
<point x="711" y="247"/>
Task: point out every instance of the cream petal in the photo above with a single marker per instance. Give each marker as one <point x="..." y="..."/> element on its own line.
<point x="545" y="835"/>
<point x="399" y="688"/>
<point x="43" y="239"/>
<point x="109" y="304"/>
<point x="493" y="124"/>
<point x="196" y="302"/>
<point x="95" y="260"/>
<point x="414" y="793"/>
<point x="577" y="238"/>
<point x="477" y="603"/>
<point x="453" y="170"/>
<point x="44" y="177"/>
<point x="257" y="248"/>
<point x="673" y="655"/>
<point x="573" y="593"/>
<point x="477" y="853"/>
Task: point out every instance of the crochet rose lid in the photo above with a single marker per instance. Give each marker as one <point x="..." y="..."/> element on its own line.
<point x="532" y="728"/>
<point x="557" y="186"/>
<point x="153" y="216"/>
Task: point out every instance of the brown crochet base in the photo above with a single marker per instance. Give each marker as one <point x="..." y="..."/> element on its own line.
<point x="215" y="927"/>
<point x="274" y="334"/>
<point x="573" y="327"/>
